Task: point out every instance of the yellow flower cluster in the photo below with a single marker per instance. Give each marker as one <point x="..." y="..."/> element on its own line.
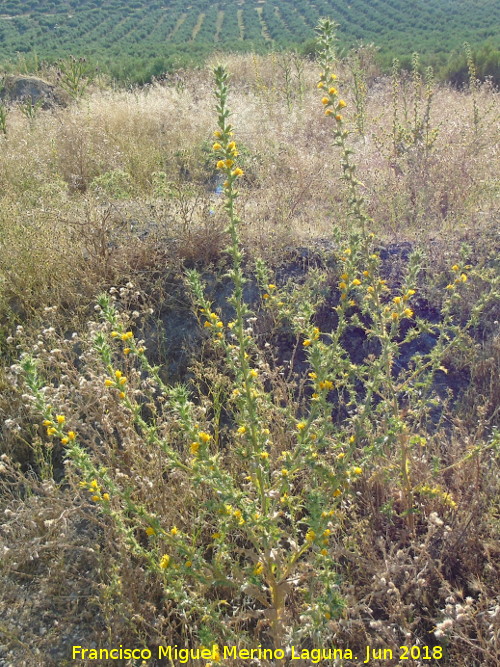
<point x="401" y="310"/>
<point x="118" y="383"/>
<point x="95" y="490"/>
<point x="54" y="427"/>
<point x="165" y="561"/>
<point x="226" y="149"/>
<point x="213" y="322"/>
<point x="330" y="100"/>
<point x="460" y="276"/>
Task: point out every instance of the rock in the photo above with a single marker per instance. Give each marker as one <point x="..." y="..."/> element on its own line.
<point x="18" y="88"/>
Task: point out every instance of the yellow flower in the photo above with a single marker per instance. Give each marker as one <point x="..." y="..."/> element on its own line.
<point x="150" y="531"/>
<point x="284" y="472"/>
<point x="339" y="118"/>
<point x="207" y="324"/>
<point x="122" y="380"/>
<point x="108" y="382"/>
<point x="47" y="422"/>
<point x="271" y="286"/>
<point x="194" y="447"/>
<point x="264" y="455"/>
<point x="253" y="373"/>
<point x="93" y="484"/>
<point x="216" y="146"/>
<point x="325" y="100"/>
<point x="397" y="299"/>
<point x="258" y="569"/>
<point x="231" y="145"/>
<point x="450" y="286"/>
<point x="51" y="430"/>
<point x="345" y="276"/>
<point x="341" y="104"/>
<point x="126" y="350"/>
<point x="310" y="535"/>
<point x="337" y="493"/>
<point x="408" y="312"/>
<point x="455" y="267"/>
<point x="220" y="164"/>
<point x="301" y="426"/>
<point x="312" y="375"/>
<point x="342" y="285"/>
<point x="164" y="561"/>
<point x="216" y="536"/>
<point x="118" y="374"/>
<point x="96" y="498"/>
<point x="228" y="163"/>
<point x="105" y="496"/>
<point x="326" y="384"/>
<point x="410" y="292"/>
<point x="60" y="419"/>
<point x="463" y="277"/>
<point x="333" y="91"/>
<point x="237" y="172"/>
<point x="341" y="455"/>
<point x="324" y="552"/>
<point x="122" y="394"/>
<point x="218" y="134"/>
<point x="357" y="470"/>
<point x="114" y="334"/>
<point x="220" y="324"/>
<point x="127" y="336"/>
<point x="328" y="112"/>
<point x="189" y="563"/>
<point x="394" y="316"/>
<point x="306" y="342"/>
<point x="205" y="437"/>
<point x="64" y="441"/>
<point x="333" y="77"/>
<point x="174" y="531"/>
<point x="366" y="274"/>
<point x="356" y="282"/>
<point x="320" y="85"/>
<point x="242" y="429"/>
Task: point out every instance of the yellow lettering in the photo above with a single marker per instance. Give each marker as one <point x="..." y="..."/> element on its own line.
<point x="76" y="650"/>
<point x="229" y="652"/>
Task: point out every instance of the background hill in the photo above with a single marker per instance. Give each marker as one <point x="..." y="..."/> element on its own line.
<point x="138" y="39"/>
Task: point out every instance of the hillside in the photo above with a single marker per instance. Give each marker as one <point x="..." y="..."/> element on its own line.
<point x="154" y="35"/>
<point x="249" y="368"/>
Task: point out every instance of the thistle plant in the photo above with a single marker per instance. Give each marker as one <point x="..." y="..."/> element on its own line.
<point x="3" y="119"/>
<point x="473" y="87"/>
<point x="75" y="75"/>
<point x="230" y="495"/>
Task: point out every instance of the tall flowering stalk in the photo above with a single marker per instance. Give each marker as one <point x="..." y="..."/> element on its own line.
<point x="334" y="105"/>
